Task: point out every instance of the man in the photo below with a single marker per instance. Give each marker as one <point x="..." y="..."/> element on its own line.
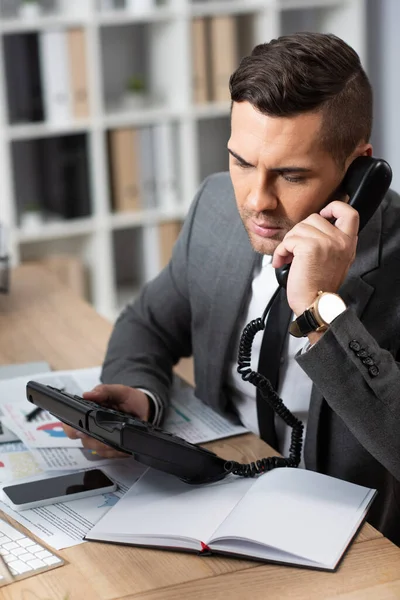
<point x="301" y="113"/>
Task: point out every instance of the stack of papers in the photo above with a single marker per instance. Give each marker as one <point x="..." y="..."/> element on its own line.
<point x="41" y="445"/>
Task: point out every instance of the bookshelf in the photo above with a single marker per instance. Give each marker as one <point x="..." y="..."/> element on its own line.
<point x="109" y="176"/>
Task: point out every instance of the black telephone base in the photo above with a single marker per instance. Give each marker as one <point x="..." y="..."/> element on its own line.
<point x="149" y="445"/>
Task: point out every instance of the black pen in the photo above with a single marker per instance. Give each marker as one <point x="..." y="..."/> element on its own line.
<point x="33" y="414"/>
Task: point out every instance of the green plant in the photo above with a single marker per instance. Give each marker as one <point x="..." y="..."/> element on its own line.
<point x="136" y="84"/>
<point x="32" y="207"/>
<point x="29" y="1"/>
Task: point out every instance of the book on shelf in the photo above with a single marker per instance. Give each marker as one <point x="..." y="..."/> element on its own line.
<point x="145" y="157"/>
<point x="53" y="53"/>
<point x="76" y="176"/>
<point x="289" y="516"/>
<point x="64" y="175"/>
<point x="23" y="78"/>
<point x="165" y="166"/>
<point x="76" y="40"/>
<point x="199" y="61"/>
<point x="223" y="55"/>
<point x="151" y="252"/>
<point x="124" y="148"/>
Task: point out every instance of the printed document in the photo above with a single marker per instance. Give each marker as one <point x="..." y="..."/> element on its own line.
<point x="46" y="448"/>
<point x="66" y="523"/>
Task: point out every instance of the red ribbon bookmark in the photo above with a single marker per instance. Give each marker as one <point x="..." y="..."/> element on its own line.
<point x="204" y="547"/>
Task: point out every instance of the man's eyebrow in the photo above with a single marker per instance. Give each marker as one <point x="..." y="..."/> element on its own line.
<point x="291" y="169"/>
<point x="240" y="159"/>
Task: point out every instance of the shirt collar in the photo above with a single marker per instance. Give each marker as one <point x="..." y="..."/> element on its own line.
<point x="266" y="260"/>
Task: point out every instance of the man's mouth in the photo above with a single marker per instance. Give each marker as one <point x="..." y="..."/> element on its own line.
<point x="266" y="230"/>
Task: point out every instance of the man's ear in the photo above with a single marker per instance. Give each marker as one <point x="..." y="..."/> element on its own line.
<point x="364" y="149"/>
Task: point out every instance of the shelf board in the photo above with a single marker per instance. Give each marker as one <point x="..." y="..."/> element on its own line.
<point x="61" y="229"/>
<point x="139" y="117"/>
<point x="210" y="110"/>
<point x="28" y="131"/>
<point x="20" y="25"/>
<point x="125" y="17"/>
<point x="233" y="7"/>
<point x="304" y="4"/>
<point x="124" y="220"/>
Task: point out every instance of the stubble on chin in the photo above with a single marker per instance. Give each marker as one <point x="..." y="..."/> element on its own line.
<point x="262" y="245"/>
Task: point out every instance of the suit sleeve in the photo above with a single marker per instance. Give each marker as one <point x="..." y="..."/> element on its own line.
<point x="154" y="332"/>
<point x="361" y="382"/>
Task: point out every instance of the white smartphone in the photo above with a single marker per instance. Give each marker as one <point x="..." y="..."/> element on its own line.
<point x="63" y="488"/>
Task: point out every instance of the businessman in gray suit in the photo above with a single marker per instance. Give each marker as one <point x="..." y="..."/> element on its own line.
<point x="301" y="113"/>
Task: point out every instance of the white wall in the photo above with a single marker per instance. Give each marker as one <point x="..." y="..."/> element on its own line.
<point x="383" y="45"/>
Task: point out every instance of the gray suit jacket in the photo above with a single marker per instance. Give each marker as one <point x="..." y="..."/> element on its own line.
<point x="193" y="306"/>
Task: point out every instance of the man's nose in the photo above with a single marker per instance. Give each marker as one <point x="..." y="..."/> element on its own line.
<point x="262" y="196"/>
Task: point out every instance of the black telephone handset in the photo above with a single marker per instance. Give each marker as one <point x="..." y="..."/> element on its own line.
<point x="366" y="182"/>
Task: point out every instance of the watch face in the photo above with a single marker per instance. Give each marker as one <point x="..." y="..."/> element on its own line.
<point x="330" y="306"/>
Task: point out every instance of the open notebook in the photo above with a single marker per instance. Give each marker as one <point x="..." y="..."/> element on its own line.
<point x="288" y="516"/>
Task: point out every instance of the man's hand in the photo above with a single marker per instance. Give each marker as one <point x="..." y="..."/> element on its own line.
<point x="321" y="253"/>
<point x="119" y="397"/>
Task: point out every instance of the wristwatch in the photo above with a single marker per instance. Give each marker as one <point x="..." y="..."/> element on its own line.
<point x="325" y="308"/>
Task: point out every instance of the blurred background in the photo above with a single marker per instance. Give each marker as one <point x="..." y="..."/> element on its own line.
<point x="113" y="111"/>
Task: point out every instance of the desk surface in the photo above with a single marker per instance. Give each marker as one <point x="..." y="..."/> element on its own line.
<point x="41" y="320"/>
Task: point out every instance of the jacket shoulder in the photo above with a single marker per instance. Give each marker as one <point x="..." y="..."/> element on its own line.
<point x="218" y="195"/>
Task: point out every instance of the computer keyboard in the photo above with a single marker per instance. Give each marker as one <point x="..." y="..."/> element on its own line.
<point x="22" y="556"/>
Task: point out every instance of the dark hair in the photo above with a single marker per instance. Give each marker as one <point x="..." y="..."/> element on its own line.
<point x="310" y="72"/>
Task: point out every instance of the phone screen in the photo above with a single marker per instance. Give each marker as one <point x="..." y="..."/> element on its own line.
<point x="64" y="485"/>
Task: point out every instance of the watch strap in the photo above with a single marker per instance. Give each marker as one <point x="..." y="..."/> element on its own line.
<point x="304" y="324"/>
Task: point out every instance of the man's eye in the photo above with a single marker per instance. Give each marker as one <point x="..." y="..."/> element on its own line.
<point x="293" y="178"/>
<point x="242" y="165"/>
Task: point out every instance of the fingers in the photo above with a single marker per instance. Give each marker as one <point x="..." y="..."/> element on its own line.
<point x="302" y="239"/>
<point x="101" y="449"/>
<point x="347" y="218"/>
<point x="121" y="397"/>
<point x="317" y="234"/>
<point x="103" y="393"/>
<point x="71" y="432"/>
<point x="91" y="444"/>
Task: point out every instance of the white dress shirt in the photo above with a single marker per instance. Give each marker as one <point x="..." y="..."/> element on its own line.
<point x="294" y="385"/>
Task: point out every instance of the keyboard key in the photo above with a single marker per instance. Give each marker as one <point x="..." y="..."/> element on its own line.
<point x="52" y="560"/>
<point x="11" y="532"/>
<point x="43" y="554"/>
<point x="26" y="542"/>
<point x="27" y="556"/>
<point x="35" y="548"/>
<point x="36" y="563"/>
<point x="18" y="551"/>
<point x="19" y="566"/>
<point x="10" y="545"/>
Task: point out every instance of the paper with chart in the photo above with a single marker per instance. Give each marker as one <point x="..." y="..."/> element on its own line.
<point x="188" y="417"/>
<point x="18" y="465"/>
<point x="59" y="452"/>
<point x="45" y="431"/>
<point x="193" y="420"/>
<point x="17" y="370"/>
<point x="65" y="524"/>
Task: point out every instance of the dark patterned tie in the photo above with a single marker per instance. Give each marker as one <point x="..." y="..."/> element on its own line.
<point x="275" y="332"/>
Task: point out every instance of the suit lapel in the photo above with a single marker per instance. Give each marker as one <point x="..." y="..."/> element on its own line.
<point x="237" y="261"/>
<point x="356" y="293"/>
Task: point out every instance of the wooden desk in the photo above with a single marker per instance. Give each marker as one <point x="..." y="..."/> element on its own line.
<point x="41" y="320"/>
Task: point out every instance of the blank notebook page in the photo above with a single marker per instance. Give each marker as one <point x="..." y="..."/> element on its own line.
<point x="301" y="512"/>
